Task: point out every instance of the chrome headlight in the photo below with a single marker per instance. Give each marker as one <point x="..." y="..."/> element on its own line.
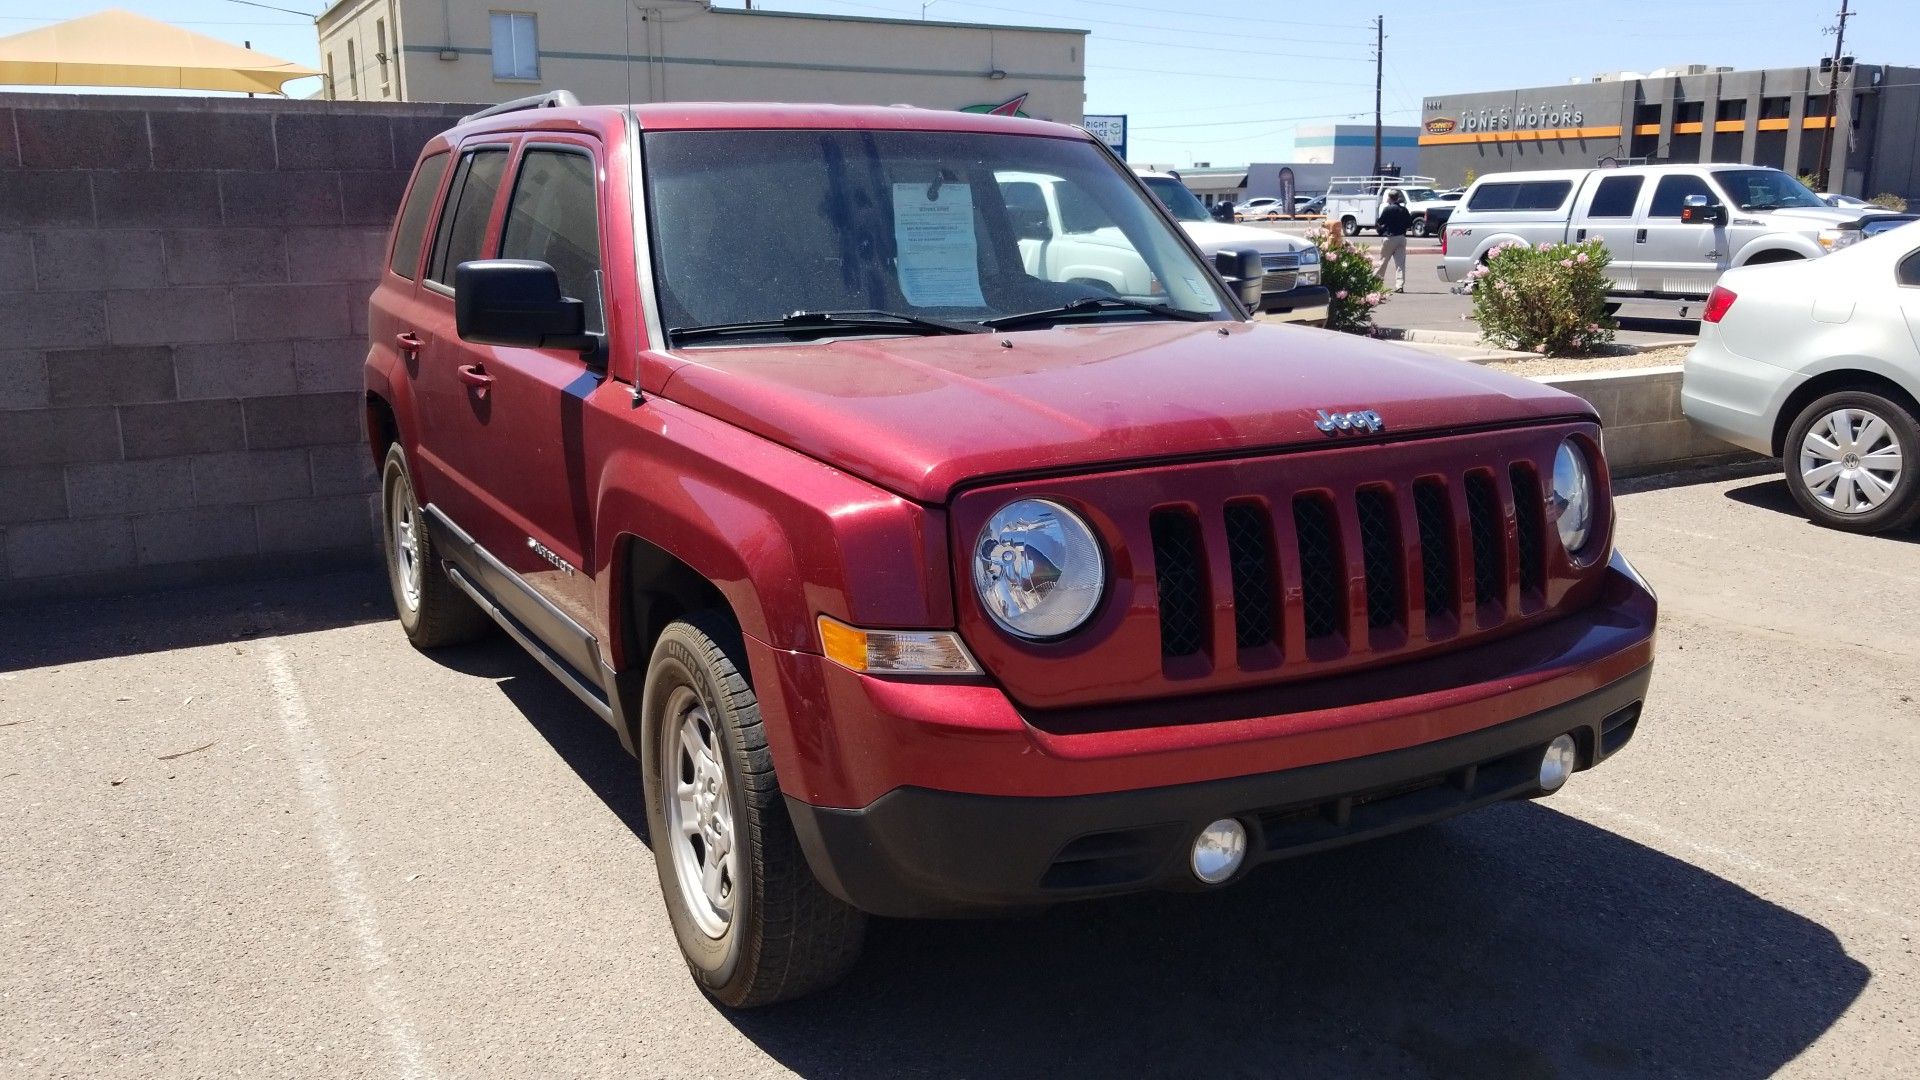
<point x="1038" y="569"/>
<point x="1835" y="239"/>
<point x="1309" y="256"/>
<point x="1570" y="502"/>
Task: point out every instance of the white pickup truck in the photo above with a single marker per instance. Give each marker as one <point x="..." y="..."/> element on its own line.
<point x="1356" y="201"/>
<point x="1670" y="230"/>
<point x="1080" y="246"/>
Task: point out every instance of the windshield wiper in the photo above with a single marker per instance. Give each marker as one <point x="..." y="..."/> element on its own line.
<point x="1095" y="303"/>
<point x="830" y="321"/>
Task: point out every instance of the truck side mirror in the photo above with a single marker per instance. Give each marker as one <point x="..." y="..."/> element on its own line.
<point x="517" y="302"/>
<point x="1701" y="210"/>
<point x="1243" y="273"/>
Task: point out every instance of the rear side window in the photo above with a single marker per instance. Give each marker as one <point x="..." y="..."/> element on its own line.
<point x="1521" y="195"/>
<point x="1908" y="272"/>
<point x="411" y="232"/>
<point x="554" y="218"/>
<point x="1672" y="194"/>
<point x="1615" y="197"/>
<point x="463" y="224"/>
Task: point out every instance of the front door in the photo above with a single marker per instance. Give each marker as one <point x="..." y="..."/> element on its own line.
<point x="1675" y="257"/>
<point x="1606" y="213"/>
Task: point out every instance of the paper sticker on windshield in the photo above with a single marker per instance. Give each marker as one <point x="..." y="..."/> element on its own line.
<point x="939" y="259"/>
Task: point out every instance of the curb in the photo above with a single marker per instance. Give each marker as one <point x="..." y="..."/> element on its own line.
<point x="1463" y="337"/>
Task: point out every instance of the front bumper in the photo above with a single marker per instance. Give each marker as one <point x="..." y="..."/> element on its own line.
<point x="921" y="853"/>
<point x="1304" y="304"/>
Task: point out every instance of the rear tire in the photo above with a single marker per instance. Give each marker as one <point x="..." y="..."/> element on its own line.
<point x="754" y="925"/>
<point x="433" y="610"/>
<point x="1349" y="226"/>
<point x="1420" y="226"/>
<point x="1849" y="459"/>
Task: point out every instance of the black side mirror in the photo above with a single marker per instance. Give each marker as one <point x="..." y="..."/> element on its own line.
<point x="517" y="302"/>
<point x="1701" y="210"/>
<point x="1243" y="274"/>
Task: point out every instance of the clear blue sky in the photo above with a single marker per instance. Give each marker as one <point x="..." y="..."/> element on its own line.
<point x="1226" y="82"/>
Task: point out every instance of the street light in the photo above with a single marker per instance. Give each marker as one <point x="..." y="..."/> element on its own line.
<point x="924" y="7"/>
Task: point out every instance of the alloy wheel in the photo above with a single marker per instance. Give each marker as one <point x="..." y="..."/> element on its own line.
<point x="1850" y="460"/>
<point x="699" y="812"/>
<point x="406" y="543"/>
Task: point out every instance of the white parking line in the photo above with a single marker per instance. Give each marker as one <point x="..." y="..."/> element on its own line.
<point x="349" y="893"/>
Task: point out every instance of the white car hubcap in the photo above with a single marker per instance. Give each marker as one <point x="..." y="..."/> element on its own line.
<point x="1850" y="461"/>
<point x="699" y="815"/>
<point x="406" y="552"/>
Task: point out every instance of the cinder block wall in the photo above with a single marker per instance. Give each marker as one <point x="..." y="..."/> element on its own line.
<point x="183" y="286"/>
<point x="1640" y="417"/>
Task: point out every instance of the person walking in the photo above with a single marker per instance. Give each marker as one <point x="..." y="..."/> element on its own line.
<point x="1394" y="221"/>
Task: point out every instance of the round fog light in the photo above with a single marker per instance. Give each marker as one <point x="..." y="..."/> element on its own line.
<point x="1558" y="762"/>
<point x="1219" y="850"/>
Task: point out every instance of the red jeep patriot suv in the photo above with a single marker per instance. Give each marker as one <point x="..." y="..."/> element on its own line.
<point x="926" y="571"/>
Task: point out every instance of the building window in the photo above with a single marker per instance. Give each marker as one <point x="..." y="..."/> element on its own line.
<point x="1689" y="112"/>
<point x="1776" y="108"/>
<point x="1732" y="109"/>
<point x="516" y="46"/>
<point x="353" y="73"/>
<point x="380" y="29"/>
<point x="1647" y="112"/>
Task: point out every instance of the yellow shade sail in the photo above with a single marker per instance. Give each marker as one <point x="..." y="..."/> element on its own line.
<point x="119" y="48"/>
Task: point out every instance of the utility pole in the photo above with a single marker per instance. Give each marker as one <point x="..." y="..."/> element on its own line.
<point x="1379" y="61"/>
<point x="1833" y="91"/>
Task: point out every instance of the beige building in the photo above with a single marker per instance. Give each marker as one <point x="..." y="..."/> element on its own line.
<point x="684" y="50"/>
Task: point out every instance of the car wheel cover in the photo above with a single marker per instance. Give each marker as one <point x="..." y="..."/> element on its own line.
<point x="699" y="812"/>
<point x="406" y="544"/>
<point x="1850" y="461"/>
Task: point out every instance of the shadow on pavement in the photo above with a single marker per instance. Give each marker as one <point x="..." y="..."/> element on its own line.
<point x="1517" y="942"/>
<point x="72" y="631"/>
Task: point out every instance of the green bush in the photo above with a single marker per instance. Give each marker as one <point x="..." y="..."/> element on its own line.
<point x="1355" y="288"/>
<point x="1888" y="200"/>
<point x="1550" y="299"/>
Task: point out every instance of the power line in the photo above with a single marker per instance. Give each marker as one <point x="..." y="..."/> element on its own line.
<point x="274" y="7"/>
<point x="1221" y="75"/>
<point x="1833" y="90"/>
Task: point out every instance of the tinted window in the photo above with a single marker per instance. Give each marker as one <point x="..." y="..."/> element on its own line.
<point x="463" y="224"/>
<point x="1909" y="271"/>
<point x="411" y="232"/>
<point x="1672" y="194"/>
<point x="1615" y="196"/>
<point x="1521" y="195"/>
<point x="554" y="218"/>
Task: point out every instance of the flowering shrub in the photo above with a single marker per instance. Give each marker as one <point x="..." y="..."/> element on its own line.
<point x="1550" y="299"/>
<point x="1887" y="200"/>
<point x="1347" y="272"/>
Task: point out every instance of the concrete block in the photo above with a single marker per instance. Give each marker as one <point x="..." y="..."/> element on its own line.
<point x="23" y="381"/>
<point x="39" y="199"/>
<point x="16" y="262"/>
<point x="339" y="364"/>
<point x="1647" y="400"/>
<point x="156" y="199"/>
<point x="410" y="135"/>
<point x="169" y="316"/>
<point x="355" y="254"/>
<point x="276" y="198"/>
<point x="96" y="259"/>
<point x="110" y="376"/>
<point x="35" y="493"/>
<point x="315" y="524"/>
<point x="54" y="320"/>
<point x="234" y="370"/>
<point x="333" y="141"/>
<point x="304" y="420"/>
<point x="226" y="256"/>
<point x="207" y="532"/>
<point x="181" y="427"/>
<point x="344" y="470"/>
<point x="83" y="139"/>
<point x="59" y="436"/>
<point x="251" y="476"/>
<point x="211" y="140"/>
<point x="372" y="198"/>
<point x="53" y="548"/>
<point x="129" y="487"/>
<point x="277" y="312"/>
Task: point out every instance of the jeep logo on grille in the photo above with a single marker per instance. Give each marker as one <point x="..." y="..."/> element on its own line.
<point x="1340" y="422"/>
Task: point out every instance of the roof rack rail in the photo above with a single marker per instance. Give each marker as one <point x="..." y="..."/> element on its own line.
<point x="552" y="99"/>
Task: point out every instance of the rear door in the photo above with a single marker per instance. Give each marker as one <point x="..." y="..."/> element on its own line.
<point x="1676" y="258"/>
<point x="1606" y="212"/>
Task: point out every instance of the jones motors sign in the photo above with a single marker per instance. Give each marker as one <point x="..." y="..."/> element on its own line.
<point x="1504" y="118"/>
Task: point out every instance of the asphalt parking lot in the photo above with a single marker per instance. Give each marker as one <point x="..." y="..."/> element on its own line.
<point x="248" y="831"/>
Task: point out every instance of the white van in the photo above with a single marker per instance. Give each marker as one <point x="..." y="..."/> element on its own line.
<point x="1671" y="229"/>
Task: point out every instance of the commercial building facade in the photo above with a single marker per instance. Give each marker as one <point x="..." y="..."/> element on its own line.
<point x="684" y="50"/>
<point x="1776" y="117"/>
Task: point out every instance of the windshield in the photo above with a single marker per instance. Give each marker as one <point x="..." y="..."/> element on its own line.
<point x="751" y="226"/>
<point x="1764" y="189"/>
<point x="1181" y="203"/>
<point x="1419" y="194"/>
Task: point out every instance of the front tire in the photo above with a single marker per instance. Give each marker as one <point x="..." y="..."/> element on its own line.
<point x="1848" y="459"/>
<point x="1420" y="226"/>
<point x="754" y="925"/>
<point x="433" y="610"/>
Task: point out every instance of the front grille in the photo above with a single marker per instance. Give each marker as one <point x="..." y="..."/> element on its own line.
<point x="1325" y="541"/>
<point x="1279" y="260"/>
<point x="1280" y="281"/>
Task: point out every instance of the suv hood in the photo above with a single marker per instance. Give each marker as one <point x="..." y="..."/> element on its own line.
<point x="1816" y="217"/>
<point x="920" y="416"/>
<point x="1212" y="236"/>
